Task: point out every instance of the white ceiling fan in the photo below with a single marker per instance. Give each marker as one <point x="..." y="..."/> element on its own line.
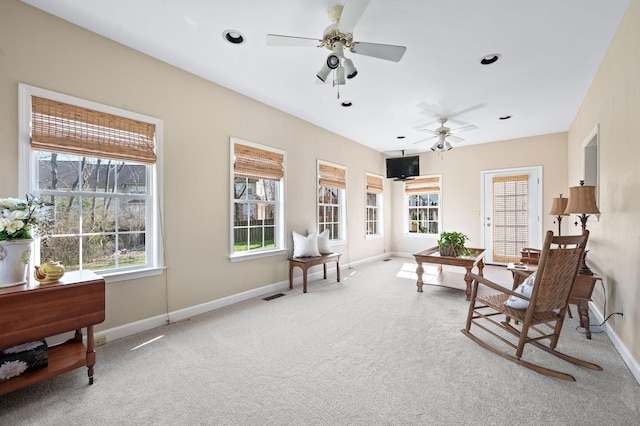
<point x="444" y="135"/>
<point x="338" y="37"/>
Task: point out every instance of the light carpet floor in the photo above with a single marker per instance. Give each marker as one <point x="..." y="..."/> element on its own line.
<point x="367" y="351"/>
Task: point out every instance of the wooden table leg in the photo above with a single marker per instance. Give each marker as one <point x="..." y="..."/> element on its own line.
<point x="91" y="354"/>
<point x="481" y="267"/>
<point x="468" y="280"/>
<point x="291" y="266"/>
<point x="419" y="271"/>
<point x="583" y="314"/>
<point x="324" y="266"/>
<point x="338" y="268"/>
<point x="304" y="279"/>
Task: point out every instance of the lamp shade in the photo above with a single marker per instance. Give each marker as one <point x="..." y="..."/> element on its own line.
<point x="558" y="207"/>
<point x="582" y="200"/>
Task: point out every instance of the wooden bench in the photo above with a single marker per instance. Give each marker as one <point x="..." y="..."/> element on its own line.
<point x="305" y="263"/>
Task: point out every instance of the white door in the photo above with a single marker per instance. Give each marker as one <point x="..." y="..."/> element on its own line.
<point x="511" y="213"/>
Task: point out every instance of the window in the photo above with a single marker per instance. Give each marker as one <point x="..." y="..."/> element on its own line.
<point x="332" y="184"/>
<point x="423" y="205"/>
<point x="258" y="174"/>
<point x="98" y="167"/>
<point x="373" y="217"/>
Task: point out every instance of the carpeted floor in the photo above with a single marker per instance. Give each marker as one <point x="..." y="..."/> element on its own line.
<point x="367" y="351"/>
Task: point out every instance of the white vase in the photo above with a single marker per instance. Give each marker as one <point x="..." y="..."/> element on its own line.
<point x="14" y="258"/>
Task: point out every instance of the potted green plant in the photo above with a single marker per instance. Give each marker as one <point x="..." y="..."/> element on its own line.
<point x="452" y="243"/>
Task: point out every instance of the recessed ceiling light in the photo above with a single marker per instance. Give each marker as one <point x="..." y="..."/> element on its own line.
<point x="505" y="117"/>
<point x="490" y="59"/>
<point x="346" y="104"/>
<point x="233" y="36"/>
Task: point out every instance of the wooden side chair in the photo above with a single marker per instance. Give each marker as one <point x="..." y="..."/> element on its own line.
<point x="541" y="318"/>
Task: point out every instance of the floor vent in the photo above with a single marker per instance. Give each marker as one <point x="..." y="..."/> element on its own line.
<point x="273" y="296"/>
<point x="387" y="259"/>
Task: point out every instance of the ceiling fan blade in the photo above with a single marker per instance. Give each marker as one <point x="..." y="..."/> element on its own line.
<point x="464" y="128"/>
<point x="351" y="13"/>
<point x="387" y="52"/>
<point x="454" y="138"/>
<point x="424" y="140"/>
<point x="282" y="40"/>
<point x="433" y="132"/>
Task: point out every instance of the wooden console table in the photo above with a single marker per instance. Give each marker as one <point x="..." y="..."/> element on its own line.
<point x="305" y="263"/>
<point x="432" y="255"/>
<point x="580" y="295"/>
<point x="33" y="311"/>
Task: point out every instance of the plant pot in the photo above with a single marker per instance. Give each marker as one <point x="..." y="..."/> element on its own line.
<point x="451" y="251"/>
<point x="14" y="258"/>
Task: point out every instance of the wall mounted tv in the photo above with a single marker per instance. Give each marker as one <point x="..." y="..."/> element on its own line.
<point x="403" y="168"/>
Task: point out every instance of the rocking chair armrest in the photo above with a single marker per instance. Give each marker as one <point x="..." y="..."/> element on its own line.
<point x="477" y="279"/>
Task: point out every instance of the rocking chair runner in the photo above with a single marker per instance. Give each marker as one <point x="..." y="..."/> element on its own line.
<point x="543" y="317"/>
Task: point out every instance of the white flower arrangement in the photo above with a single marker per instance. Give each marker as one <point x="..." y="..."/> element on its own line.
<point x="19" y="217"/>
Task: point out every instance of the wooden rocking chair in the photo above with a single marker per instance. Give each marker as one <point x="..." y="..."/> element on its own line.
<point x="543" y="317"/>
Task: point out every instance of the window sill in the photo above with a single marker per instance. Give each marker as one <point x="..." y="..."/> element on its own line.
<point x="115" y="277"/>
<point x="256" y="255"/>
<point x="420" y="235"/>
<point x="373" y="237"/>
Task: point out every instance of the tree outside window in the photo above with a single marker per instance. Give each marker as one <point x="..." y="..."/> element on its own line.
<point x="258" y="174"/>
<point x="97" y="166"/>
<point x="332" y="185"/>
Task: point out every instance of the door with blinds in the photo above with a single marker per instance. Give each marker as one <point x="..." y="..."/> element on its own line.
<point x="511" y="213"/>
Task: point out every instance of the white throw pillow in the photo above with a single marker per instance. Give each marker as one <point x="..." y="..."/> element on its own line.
<point x="305" y="246"/>
<point x="323" y="242"/>
<point x="525" y="289"/>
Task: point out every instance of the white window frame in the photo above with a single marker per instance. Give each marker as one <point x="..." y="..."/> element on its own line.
<point x="28" y="177"/>
<point x="342" y="205"/>
<point x="279" y="240"/>
<point x="378" y="207"/>
<point x="407" y="215"/>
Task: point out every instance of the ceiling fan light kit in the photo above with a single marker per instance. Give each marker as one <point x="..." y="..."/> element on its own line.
<point x="350" y="69"/>
<point x="339" y="36"/>
<point x="443" y="133"/>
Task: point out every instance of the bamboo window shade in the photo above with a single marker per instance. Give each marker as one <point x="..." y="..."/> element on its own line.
<point x="429" y="185"/>
<point x="510" y="217"/>
<point x="69" y="129"/>
<point x="256" y="163"/>
<point x="374" y="184"/>
<point x="332" y="177"/>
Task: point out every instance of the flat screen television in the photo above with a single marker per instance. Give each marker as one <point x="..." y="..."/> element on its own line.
<point x="403" y="168"/>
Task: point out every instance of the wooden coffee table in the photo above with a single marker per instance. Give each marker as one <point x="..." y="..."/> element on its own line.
<point x="432" y="255"/>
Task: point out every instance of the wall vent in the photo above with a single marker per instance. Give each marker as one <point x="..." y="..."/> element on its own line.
<point x="273" y="296"/>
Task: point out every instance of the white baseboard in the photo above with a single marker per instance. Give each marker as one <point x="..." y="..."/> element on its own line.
<point x="182" y="314"/>
<point x="628" y="359"/>
<point x="186" y="313"/>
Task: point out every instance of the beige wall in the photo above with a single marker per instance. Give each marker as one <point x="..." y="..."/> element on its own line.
<point x="461" y="182"/>
<point x="613" y="104"/>
<point x="199" y="118"/>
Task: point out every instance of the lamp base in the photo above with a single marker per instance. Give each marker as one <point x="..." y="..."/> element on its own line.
<point x="584" y="269"/>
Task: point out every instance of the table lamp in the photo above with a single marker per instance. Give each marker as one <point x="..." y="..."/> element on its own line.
<point x="582" y="201"/>
<point x="557" y="209"/>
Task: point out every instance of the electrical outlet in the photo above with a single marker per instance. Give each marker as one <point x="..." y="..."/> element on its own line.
<point x="100" y="340"/>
